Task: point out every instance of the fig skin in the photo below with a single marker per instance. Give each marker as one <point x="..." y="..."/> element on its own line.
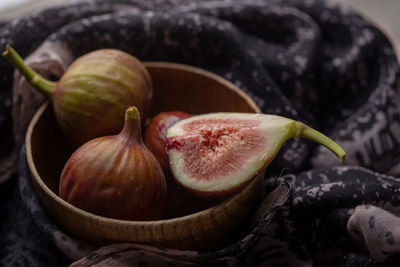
<point x="155" y="135"/>
<point x="105" y="81"/>
<point x="116" y="176"/>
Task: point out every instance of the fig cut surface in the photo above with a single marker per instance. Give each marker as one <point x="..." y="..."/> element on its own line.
<point x="218" y="153"/>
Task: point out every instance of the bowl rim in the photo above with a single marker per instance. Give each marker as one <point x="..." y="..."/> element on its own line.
<point x="35" y="175"/>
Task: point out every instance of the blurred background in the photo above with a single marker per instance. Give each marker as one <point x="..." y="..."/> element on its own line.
<point x="384" y="13"/>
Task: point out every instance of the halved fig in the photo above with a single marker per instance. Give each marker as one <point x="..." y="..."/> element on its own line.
<point x="218" y="153"/>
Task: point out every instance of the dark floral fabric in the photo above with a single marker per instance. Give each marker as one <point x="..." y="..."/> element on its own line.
<point x="313" y="60"/>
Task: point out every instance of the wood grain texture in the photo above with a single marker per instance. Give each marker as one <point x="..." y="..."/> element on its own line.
<point x="177" y="87"/>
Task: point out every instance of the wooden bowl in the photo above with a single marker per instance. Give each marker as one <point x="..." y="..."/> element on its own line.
<point x="176" y="87"/>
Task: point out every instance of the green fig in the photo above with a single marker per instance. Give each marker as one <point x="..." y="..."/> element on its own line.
<point x="105" y="82"/>
<point x="218" y="153"/>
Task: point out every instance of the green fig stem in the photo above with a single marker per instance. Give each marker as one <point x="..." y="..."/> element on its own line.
<point x="132" y="127"/>
<point x="44" y="86"/>
<point x="312" y="134"/>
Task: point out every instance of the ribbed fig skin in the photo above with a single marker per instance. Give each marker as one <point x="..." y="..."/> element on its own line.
<point x="115" y="177"/>
<point x="91" y="98"/>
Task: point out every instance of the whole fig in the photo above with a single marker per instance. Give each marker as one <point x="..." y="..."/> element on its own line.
<point x="116" y="176"/>
<point x="155" y="135"/>
<point x="105" y="81"/>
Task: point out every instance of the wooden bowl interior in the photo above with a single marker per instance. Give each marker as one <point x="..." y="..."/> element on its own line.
<point x="189" y="89"/>
<point x="176" y="87"/>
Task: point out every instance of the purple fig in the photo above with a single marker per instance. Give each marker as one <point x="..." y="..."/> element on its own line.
<point x="155" y="135"/>
<point x="116" y="176"/>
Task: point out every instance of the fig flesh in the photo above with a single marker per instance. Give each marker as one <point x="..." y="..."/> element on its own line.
<point x="105" y="81"/>
<point x="155" y="135"/>
<point x="116" y="176"/>
<point x="218" y="153"/>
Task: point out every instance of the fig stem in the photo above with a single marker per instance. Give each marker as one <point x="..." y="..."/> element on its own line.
<point x="314" y="135"/>
<point x="44" y="86"/>
<point x="132" y="126"/>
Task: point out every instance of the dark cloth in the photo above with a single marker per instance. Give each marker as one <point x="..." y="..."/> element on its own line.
<point x="313" y="61"/>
